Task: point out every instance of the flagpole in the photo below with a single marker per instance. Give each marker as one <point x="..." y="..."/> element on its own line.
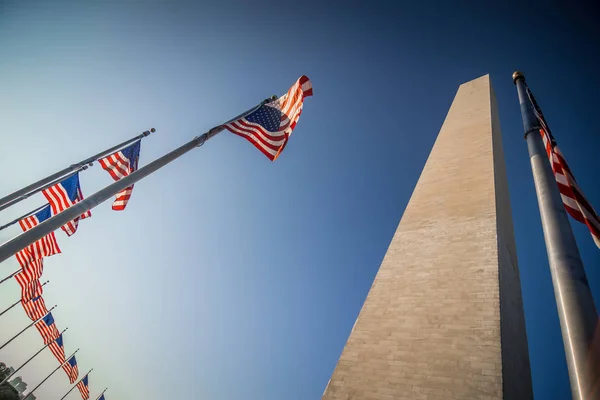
<point x="59" y="174"/>
<point x="104" y="391"/>
<point x="9" y="248"/>
<point x="27" y="327"/>
<point x="74" y="386"/>
<point x="10" y="276"/>
<point x="26" y="362"/>
<point x="18" y="301"/>
<point x="576" y="309"/>
<point x="43" y="187"/>
<point x="14" y="221"/>
<point x="52" y="373"/>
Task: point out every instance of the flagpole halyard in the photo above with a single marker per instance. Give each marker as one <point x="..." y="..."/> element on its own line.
<point x="576" y="310"/>
<point x="18" y="195"/>
<point x="18" y="243"/>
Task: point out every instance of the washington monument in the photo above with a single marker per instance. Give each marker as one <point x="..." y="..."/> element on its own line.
<point x="444" y="316"/>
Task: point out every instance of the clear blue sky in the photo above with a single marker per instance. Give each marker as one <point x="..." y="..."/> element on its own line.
<point x="230" y="277"/>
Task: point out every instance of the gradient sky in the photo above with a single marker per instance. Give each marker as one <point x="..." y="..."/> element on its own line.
<point x="230" y="277"/>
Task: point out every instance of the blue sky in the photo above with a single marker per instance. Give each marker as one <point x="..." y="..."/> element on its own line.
<point x="228" y="276"/>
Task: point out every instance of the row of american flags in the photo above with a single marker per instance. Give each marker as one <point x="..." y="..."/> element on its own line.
<point x="268" y="128"/>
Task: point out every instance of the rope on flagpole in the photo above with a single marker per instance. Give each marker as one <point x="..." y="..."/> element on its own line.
<point x="19" y="193"/>
<point x="18" y="301"/>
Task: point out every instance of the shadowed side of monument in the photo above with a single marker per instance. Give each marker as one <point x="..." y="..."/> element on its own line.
<point x="444" y="316"/>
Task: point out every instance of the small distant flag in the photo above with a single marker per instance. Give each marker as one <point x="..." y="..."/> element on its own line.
<point x="270" y="126"/>
<point x="64" y="195"/>
<point x="572" y="197"/>
<point x="101" y="397"/>
<point x="119" y="165"/>
<point x="47" y="328"/>
<point x="71" y="369"/>
<point x="58" y="349"/>
<point x="84" y="388"/>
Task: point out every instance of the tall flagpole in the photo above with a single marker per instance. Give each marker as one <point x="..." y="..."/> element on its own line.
<point x="9" y="248"/>
<point x="75" y="385"/>
<point x="14" y="221"/>
<point x="10" y="276"/>
<point x="15" y="195"/>
<point x="576" y="309"/>
<point x="27" y="327"/>
<point x="48" y="377"/>
<point x="26" y="362"/>
<point x="43" y="187"/>
<point x="17" y="302"/>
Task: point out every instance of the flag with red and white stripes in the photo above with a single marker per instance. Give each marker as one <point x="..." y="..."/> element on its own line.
<point x="269" y="126"/>
<point x="57" y="348"/>
<point x="35" y="308"/>
<point x="119" y="165"/>
<point x="573" y="199"/>
<point x="47" y="328"/>
<point x="84" y="388"/>
<point x="44" y="247"/>
<point x="30" y="288"/>
<point x="71" y="369"/>
<point x="63" y="195"/>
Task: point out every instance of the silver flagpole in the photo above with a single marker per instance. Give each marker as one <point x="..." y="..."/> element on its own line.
<point x="18" y="301"/>
<point x="19" y="193"/>
<point x="39" y="189"/>
<point x="52" y="373"/>
<point x="14" y="221"/>
<point x="75" y="385"/>
<point x="31" y="358"/>
<point x="101" y="393"/>
<point x="27" y="327"/>
<point x="576" y="309"/>
<point x="9" y="248"/>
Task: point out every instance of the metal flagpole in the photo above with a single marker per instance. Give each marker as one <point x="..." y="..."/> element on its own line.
<point x="52" y="373"/>
<point x="10" y="276"/>
<point x="576" y="309"/>
<point x="71" y="168"/>
<point x="26" y="238"/>
<point x="14" y="221"/>
<point x="18" y="301"/>
<point x="43" y="187"/>
<point x="74" y="386"/>
<point x="26" y="362"/>
<point x="101" y="393"/>
<point x="27" y="327"/>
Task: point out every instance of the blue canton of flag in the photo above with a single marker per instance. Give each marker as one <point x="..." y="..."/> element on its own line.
<point x="64" y="195"/>
<point x="84" y="388"/>
<point x="57" y="348"/>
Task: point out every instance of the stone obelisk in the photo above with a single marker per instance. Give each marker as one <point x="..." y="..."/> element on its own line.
<point x="444" y="316"/>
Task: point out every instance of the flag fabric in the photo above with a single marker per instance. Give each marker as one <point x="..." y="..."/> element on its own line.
<point x="47" y="246"/>
<point x="31" y="271"/>
<point x="573" y="199"/>
<point x="29" y="288"/>
<point x="84" y="388"/>
<point x="47" y="328"/>
<point x="63" y="195"/>
<point x="270" y="126"/>
<point x="35" y="308"/>
<point x="70" y="367"/>
<point x="119" y="165"/>
<point x="58" y="349"/>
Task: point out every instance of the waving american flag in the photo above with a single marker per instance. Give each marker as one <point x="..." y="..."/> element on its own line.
<point x="119" y="165"/>
<point x="63" y="195"/>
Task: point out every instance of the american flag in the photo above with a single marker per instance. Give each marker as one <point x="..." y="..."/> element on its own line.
<point x="31" y="272"/>
<point x="57" y="348"/>
<point x="35" y="308"/>
<point x="64" y="195"/>
<point x="119" y="165"/>
<point x="572" y="197"/>
<point x="270" y="126"/>
<point x="101" y="397"/>
<point x="84" y="389"/>
<point x="71" y="369"/>
<point x="47" y="328"/>
<point x="29" y="288"/>
<point x="44" y="247"/>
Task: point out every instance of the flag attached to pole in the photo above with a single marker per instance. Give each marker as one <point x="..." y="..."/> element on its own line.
<point x="101" y="397"/>
<point x="71" y="369"/>
<point x="29" y="287"/>
<point x="47" y="328"/>
<point x="269" y="127"/>
<point x="35" y="308"/>
<point x="44" y="247"/>
<point x="119" y="165"/>
<point x="64" y="195"/>
<point x="57" y="348"/>
<point x="573" y="199"/>
<point x="84" y="388"/>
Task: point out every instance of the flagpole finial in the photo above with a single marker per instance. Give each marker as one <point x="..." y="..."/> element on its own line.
<point x="518" y="75"/>
<point x="152" y="130"/>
